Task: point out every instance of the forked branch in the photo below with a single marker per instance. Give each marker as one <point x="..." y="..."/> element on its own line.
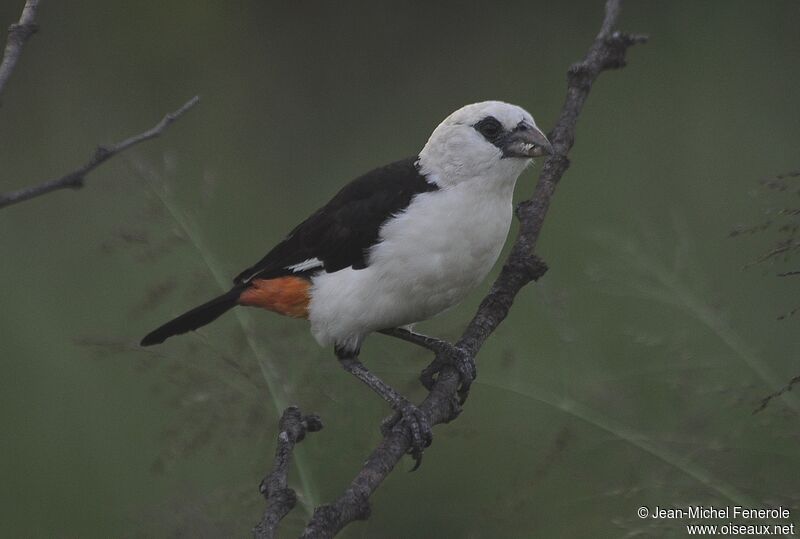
<point x="76" y="178"/>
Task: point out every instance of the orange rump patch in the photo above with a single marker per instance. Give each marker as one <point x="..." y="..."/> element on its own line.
<point x="288" y="296"/>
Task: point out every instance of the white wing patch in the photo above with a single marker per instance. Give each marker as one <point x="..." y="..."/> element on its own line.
<point x="306" y="265"/>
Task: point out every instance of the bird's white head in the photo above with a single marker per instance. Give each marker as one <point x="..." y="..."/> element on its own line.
<point x="489" y="142"/>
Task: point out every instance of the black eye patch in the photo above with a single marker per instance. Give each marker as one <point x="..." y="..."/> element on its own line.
<point x="490" y="128"/>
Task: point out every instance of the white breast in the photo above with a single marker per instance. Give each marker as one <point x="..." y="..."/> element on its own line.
<point x="428" y="259"/>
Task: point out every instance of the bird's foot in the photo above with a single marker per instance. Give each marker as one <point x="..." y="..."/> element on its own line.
<point x="458" y="358"/>
<point x="416" y="423"/>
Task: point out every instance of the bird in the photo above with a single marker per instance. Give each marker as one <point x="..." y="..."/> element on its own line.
<point x="395" y="246"/>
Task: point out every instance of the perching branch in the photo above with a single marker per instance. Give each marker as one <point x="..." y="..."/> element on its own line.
<point x="522" y="266"/>
<point x="281" y="499"/>
<point x="18" y="34"/>
<point x="76" y="178"/>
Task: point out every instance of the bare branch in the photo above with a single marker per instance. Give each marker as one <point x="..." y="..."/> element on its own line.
<point x="281" y="499"/>
<point x="522" y="266"/>
<point x="76" y="178"/>
<point x="18" y="34"/>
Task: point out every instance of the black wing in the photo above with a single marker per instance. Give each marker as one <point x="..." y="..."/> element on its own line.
<point x="339" y="234"/>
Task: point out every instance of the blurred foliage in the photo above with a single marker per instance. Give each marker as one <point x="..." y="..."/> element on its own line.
<point x="627" y="377"/>
<point x="781" y="225"/>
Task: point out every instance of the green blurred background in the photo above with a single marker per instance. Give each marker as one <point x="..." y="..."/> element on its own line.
<point x="626" y="377"/>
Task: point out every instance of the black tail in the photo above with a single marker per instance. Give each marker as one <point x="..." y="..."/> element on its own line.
<point x="197" y="317"/>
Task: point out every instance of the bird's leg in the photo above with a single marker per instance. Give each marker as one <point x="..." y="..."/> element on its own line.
<point x="446" y="354"/>
<point x="405" y="413"/>
<point x="431" y="343"/>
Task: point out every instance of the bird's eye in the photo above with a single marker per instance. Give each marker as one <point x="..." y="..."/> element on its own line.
<point x="489" y="127"/>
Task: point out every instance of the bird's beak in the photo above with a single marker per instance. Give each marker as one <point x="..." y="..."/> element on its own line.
<point x="526" y="141"/>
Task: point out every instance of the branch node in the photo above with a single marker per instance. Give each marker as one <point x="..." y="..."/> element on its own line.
<point x="536" y="267"/>
<point x="312" y="423"/>
<point x="530" y="267"/>
<point x="102" y="153"/>
<point x="75" y="179"/>
<point x="274" y="487"/>
<point x="284" y="496"/>
<point x="19" y="33"/>
<point x="618" y="44"/>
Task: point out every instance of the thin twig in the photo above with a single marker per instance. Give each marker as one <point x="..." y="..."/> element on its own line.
<point x="18" y="34"/>
<point x="76" y="178"/>
<point x="781" y="248"/>
<point x="522" y="266"/>
<point x="765" y="401"/>
<point x="275" y="488"/>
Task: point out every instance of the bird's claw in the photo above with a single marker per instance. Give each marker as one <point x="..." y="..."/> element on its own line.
<point x="411" y="418"/>
<point x="462" y="361"/>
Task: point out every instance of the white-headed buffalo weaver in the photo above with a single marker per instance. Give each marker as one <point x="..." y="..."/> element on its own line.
<point x="395" y="246"/>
